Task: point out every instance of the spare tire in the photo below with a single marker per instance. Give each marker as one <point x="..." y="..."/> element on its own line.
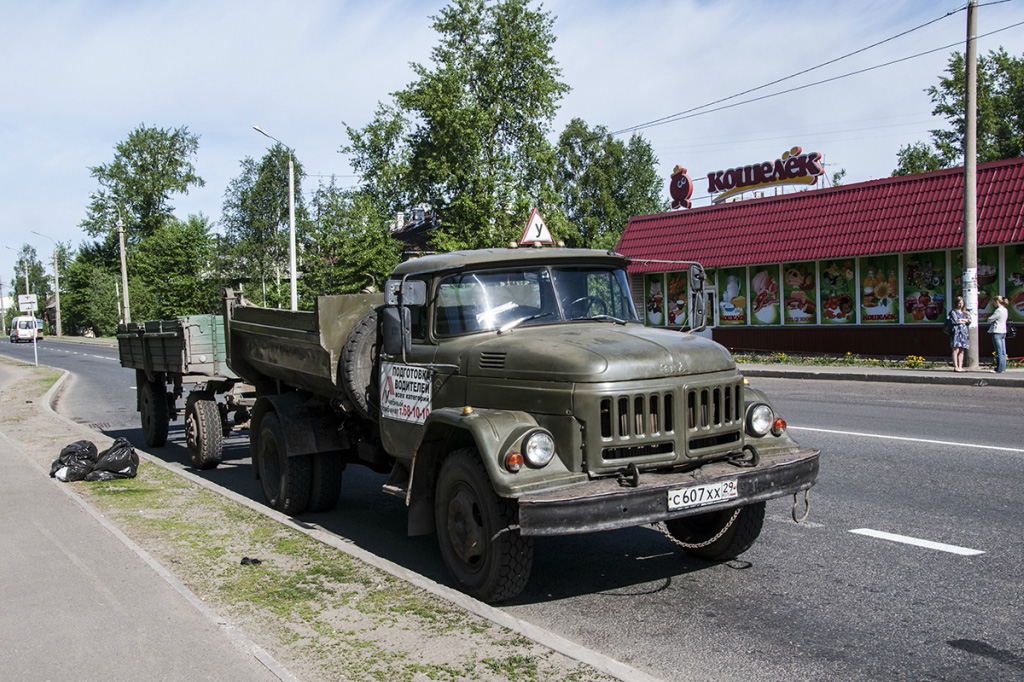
<point x="359" y="367"/>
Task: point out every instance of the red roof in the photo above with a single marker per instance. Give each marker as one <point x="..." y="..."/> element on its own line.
<point x="893" y="215"/>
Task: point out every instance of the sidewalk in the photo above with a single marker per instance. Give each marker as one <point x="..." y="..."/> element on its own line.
<point x="1011" y="378"/>
<point x="82" y="602"/>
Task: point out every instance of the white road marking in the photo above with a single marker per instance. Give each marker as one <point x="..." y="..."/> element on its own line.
<point x="915" y="440"/>
<point x="953" y="549"/>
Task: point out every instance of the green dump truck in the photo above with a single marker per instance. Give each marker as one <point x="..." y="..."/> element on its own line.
<point x="509" y="394"/>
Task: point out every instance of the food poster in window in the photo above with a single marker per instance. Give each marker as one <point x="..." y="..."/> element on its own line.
<point x="1014" y="262"/>
<point x="732" y="296"/>
<point x="924" y="287"/>
<point x="654" y="299"/>
<point x="838" y="292"/>
<point x="798" y="298"/>
<point x="675" y="302"/>
<point x="878" y="290"/>
<point x="988" y="279"/>
<point x="764" y="295"/>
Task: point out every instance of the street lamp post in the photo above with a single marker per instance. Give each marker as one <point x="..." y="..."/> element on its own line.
<point x="56" y="280"/>
<point x="291" y="216"/>
<point x="124" y="266"/>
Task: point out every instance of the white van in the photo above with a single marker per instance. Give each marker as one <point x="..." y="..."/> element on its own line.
<point x="23" y="328"/>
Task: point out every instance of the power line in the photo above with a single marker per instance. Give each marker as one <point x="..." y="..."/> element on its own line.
<point x="672" y="117"/>
<point x="692" y="113"/>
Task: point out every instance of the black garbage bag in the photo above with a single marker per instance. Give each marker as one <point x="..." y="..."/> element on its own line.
<point x="118" y="461"/>
<point x="75" y="461"/>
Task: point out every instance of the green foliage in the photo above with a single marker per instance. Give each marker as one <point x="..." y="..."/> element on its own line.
<point x="1000" y="122"/>
<point x="148" y="168"/>
<point x="255" y="219"/>
<point x="602" y="182"/>
<point x="468" y="136"/>
<point x="347" y="247"/>
<point x="38" y="281"/>
<point x="88" y="298"/>
<point x="179" y="256"/>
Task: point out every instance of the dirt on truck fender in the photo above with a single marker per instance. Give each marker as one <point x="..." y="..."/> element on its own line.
<point x="513" y="393"/>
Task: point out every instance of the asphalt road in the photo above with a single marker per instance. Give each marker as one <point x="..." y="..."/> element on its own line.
<point x="939" y="464"/>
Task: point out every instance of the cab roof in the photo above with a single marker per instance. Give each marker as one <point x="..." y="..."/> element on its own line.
<point x="507" y="257"/>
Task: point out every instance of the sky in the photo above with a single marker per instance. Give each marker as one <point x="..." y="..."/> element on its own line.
<point x="77" y="76"/>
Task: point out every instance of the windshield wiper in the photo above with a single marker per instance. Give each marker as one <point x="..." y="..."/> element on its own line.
<point x="509" y="326"/>
<point x="614" y="319"/>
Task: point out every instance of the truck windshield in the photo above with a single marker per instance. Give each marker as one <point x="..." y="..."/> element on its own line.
<point x="480" y="301"/>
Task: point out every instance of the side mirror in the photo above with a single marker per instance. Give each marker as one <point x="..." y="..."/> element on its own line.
<point x="396" y="330"/>
<point x="405" y="292"/>
<point x="698" y="310"/>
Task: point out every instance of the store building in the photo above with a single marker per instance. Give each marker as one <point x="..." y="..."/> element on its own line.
<point x="867" y="268"/>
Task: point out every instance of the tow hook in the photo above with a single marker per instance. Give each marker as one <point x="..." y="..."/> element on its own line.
<point x="631" y="478"/>
<point x="738" y="460"/>
<point x="807" y="506"/>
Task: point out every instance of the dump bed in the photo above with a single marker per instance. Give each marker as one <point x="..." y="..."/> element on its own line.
<point x="191" y="345"/>
<point x="299" y="348"/>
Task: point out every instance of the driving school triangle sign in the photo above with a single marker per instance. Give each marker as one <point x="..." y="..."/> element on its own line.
<point x="536" y="231"/>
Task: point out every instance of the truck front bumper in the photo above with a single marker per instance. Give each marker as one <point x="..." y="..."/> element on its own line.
<point x="605" y="504"/>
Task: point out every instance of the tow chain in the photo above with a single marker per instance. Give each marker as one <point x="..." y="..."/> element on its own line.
<point x="699" y="545"/>
<point x="807" y="506"/>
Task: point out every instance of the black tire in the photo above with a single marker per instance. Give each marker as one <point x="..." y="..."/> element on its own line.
<point x="203" y="430"/>
<point x="486" y="557"/>
<point x="285" y="480"/>
<point x="325" y="483"/>
<point x="358" y="367"/>
<point x="698" y="529"/>
<point x="153" y="413"/>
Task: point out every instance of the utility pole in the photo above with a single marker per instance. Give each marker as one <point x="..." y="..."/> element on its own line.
<point x="3" y="310"/>
<point x="970" y="273"/>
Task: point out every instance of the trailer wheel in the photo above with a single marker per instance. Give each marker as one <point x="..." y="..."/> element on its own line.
<point x="153" y="412"/>
<point x="697" y="534"/>
<point x="203" y="430"/>
<point x="285" y="480"/>
<point x="482" y="549"/>
<point x="325" y="483"/>
<point x="358" y="367"/>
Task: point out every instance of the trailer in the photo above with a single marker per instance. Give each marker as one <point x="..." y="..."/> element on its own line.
<point x="167" y="356"/>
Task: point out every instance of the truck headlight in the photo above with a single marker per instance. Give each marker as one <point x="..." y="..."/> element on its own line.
<point x="538" y="448"/>
<point x="759" y="420"/>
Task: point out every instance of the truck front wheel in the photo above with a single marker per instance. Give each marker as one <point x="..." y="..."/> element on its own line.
<point x="153" y="413"/>
<point x="482" y="549"/>
<point x="203" y="430"/>
<point x="285" y="480"/>
<point x="718" y="535"/>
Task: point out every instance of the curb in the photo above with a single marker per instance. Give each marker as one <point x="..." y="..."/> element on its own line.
<point x="566" y="647"/>
<point x="967" y="379"/>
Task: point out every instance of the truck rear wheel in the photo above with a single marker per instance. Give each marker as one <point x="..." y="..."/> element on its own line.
<point x="485" y="555"/>
<point x="718" y="535"/>
<point x="153" y="412"/>
<point x="285" y="480"/>
<point x="325" y="482"/>
<point x="358" y="367"/>
<point x="203" y="430"/>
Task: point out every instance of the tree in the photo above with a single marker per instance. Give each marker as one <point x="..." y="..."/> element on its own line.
<point x="38" y="281"/>
<point x="179" y="255"/>
<point x="476" y="147"/>
<point x="1000" y="123"/>
<point x="602" y="182"/>
<point x="148" y="169"/>
<point x="917" y="158"/>
<point x="89" y="297"/>
<point x="348" y="245"/>
<point x="255" y="218"/>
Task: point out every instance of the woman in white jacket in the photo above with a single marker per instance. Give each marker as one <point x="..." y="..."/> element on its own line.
<point x="997" y="328"/>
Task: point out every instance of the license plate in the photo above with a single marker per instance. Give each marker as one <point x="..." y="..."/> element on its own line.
<point x="700" y="495"/>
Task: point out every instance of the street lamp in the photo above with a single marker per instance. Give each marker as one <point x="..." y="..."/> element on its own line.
<point x="124" y="267"/>
<point x="56" y="280"/>
<point x="291" y="216"/>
